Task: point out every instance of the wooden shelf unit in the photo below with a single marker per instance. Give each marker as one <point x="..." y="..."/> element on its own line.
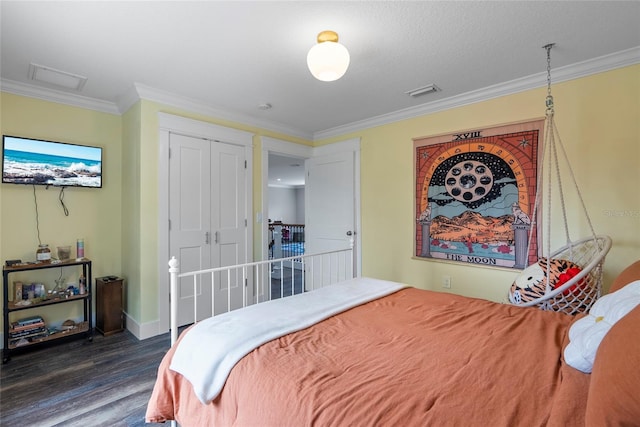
<point x="83" y="329"/>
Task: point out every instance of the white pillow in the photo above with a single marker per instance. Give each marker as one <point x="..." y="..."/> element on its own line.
<point x="586" y="333"/>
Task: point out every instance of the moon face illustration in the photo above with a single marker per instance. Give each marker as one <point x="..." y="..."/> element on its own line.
<point x="469" y="180"/>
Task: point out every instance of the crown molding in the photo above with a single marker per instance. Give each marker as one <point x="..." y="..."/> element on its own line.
<point x="136" y="93"/>
<point x="570" y="72"/>
<point x="57" y="96"/>
<point x="140" y="91"/>
<point x="205" y="130"/>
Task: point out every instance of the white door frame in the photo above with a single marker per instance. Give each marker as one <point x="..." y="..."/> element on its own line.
<point x="277" y="146"/>
<point x="167" y="124"/>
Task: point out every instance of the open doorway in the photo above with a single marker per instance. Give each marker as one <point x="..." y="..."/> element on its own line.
<point x="286" y="222"/>
<point x="331" y="216"/>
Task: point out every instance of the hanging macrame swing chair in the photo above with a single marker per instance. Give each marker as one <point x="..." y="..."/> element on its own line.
<point x="567" y="280"/>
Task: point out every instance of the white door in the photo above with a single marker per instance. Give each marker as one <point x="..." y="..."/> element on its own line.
<point x="190" y="219"/>
<point x="208" y="229"/>
<point x="228" y="207"/>
<point x="331" y="202"/>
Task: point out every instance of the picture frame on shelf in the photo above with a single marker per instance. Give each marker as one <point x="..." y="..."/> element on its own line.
<point x="17" y="291"/>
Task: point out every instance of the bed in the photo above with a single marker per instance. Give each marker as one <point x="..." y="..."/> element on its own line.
<point x="403" y="356"/>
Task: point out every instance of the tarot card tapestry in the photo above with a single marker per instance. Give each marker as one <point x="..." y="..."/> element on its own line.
<point x="475" y="195"/>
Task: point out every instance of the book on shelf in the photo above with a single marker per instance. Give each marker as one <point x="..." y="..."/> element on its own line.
<point x="28" y="320"/>
<point x="28" y="332"/>
<point x="17" y="342"/>
<point x="30" y="337"/>
<point x="20" y="328"/>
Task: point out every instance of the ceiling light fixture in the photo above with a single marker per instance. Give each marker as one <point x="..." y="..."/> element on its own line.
<point x="328" y="60"/>
<point x="423" y="90"/>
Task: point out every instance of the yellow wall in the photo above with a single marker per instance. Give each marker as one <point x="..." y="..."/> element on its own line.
<point x="597" y="116"/>
<point x="131" y="241"/>
<point x="94" y="214"/>
<point x="598" y="119"/>
<point x="142" y="192"/>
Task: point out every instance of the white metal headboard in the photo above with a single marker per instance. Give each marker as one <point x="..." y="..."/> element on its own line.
<point x="319" y="270"/>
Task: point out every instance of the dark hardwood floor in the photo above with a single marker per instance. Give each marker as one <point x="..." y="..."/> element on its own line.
<point x="106" y="382"/>
<point x="291" y="281"/>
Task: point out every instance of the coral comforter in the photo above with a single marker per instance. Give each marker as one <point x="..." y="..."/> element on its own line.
<point x="412" y="358"/>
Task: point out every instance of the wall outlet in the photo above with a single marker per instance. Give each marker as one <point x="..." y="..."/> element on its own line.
<point x="446" y="282"/>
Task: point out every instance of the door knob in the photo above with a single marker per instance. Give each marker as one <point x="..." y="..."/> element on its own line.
<point x="350" y="233"/>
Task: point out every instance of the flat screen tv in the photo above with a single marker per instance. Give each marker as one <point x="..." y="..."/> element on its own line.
<point x="37" y="162"/>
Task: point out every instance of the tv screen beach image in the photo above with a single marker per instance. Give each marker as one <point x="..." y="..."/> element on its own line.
<point x="30" y="161"/>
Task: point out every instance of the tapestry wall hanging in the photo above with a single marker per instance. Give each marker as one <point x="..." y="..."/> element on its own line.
<point x="475" y="195"/>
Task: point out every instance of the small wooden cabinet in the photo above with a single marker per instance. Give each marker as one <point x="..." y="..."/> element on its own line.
<point x="109" y="317"/>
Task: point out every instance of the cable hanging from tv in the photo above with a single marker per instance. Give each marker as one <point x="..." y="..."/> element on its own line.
<point x="35" y="201"/>
<point x="61" y="198"/>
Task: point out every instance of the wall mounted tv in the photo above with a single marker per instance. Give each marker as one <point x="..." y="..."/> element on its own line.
<point x="37" y="162"/>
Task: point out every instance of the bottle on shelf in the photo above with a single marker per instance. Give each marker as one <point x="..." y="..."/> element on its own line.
<point x="82" y="284"/>
<point x="80" y="248"/>
<point x="43" y="254"/>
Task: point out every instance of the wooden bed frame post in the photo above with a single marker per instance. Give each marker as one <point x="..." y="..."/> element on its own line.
<point x="174" y="269"/>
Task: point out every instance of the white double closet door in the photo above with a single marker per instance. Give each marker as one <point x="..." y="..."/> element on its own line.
<point x="207" y="217"/>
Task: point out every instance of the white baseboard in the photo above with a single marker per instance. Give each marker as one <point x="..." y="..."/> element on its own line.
<point x="142" y="331"/>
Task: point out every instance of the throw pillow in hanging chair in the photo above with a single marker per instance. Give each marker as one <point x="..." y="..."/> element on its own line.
<point x="531" y="283"/>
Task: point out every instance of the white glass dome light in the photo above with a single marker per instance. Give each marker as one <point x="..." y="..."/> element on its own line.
<point x="328" y="60"/>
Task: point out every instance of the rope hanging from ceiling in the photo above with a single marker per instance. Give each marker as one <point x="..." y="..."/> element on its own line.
<point x="569" y="279"/>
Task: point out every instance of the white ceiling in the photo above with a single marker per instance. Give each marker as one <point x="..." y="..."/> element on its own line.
<point x="229" y="57"/>
<point x="286" y="171"/>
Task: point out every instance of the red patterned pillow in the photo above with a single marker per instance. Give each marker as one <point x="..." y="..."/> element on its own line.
<point x="531" y="283"/>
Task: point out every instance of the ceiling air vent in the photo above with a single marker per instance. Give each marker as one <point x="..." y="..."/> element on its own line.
<point x="49" y="75"/>
<point x="423" y="90"/>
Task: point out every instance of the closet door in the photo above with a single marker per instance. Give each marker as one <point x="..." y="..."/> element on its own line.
<point x="228" y="207"/>
<point x="190" y="219"/>
<point x="207" y="219"/>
